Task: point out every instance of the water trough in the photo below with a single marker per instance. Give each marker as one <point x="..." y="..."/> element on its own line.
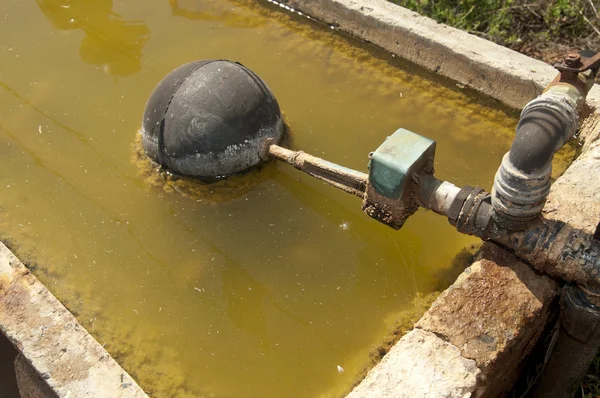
<point x="467" y="360"/>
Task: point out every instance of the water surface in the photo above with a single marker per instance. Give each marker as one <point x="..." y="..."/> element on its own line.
<point x="264" y="295"/>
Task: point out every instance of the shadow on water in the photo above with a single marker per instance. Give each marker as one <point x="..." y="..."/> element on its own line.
<point x="109" y="41"/>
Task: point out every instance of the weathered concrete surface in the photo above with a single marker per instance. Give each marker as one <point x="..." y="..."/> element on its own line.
<point x="575" y="197"/>
<point x="420" y="365"/>
<point x="31" y="384"/>
<point x="492" y="316"/>
<point x="496" y="71"/>
<point x="494" y="313"/>
<point x="50" y="339"/>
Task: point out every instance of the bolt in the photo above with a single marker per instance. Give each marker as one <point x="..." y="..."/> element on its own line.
<point x="370" y="155"/>
<point x="573" y="60"/>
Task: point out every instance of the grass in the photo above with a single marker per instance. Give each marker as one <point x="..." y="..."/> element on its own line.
<point x="590" y="388"/>
<point x="544" y="29"/>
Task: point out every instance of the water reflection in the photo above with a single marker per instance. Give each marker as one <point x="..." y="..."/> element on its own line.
<point x="231" y="16"/>
<point x="180" y="11"/>
<point x="110" y="41"/>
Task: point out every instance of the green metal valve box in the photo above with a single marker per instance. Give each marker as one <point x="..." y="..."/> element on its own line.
<point x="394" y="163"/>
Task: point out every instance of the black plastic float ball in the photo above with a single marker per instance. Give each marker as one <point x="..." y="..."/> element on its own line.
<point x="207" y="120"/>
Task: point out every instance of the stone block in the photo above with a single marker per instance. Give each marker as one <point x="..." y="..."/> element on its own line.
<point x="31" y="385"/>
<point x="494" y="313"/>
<point x="420" y="365"/>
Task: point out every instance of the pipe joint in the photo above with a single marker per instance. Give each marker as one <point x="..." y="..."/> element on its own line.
<point x="562" y="100"/>
<point x="522" y="182"/>
<point x="471" y="212"/>
<point x="563" y="97"/>
<point x="518" y="198"/>
<point x="580" y="317"/>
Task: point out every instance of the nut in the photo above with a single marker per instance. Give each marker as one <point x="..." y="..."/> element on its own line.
<point x="573" y="60"/>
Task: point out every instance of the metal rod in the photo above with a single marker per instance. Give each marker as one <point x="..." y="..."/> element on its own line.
<point x="346" y="179"/>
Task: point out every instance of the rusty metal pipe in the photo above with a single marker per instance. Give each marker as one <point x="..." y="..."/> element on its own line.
<point x="346" y="179"/>
<point x="575" y="344"/>
<point x="556" y="249"/>
<point x="550" y="246"/>
<point x="522" y="182"/>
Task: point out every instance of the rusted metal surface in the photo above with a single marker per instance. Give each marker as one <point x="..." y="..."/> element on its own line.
<point x="476" y="213"/>
<point x="575" y="63"/>
<point x="346" y="179"/>
<point x="582" y="82"/>
<point x="392" y="213"/>
<point x="397" y="169"/>
<point x="573" y="60"/>
<point x="557" y="249"/>
<point x="395" y="212"/>
<point x="550" y="246"/>
<point x="575" y="343"/>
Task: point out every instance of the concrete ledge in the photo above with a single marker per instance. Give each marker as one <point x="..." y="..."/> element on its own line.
<point x="56" y="353"/>
<point x="492" y="315"/>
<point x="420" y="365"/>
<point x="494" y="312"/>
<point x="575" y="197"/>
<point x="503" y="74"/>
<point x="31" y="384"/>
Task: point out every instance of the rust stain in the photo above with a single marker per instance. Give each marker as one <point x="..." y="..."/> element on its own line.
<point x="387" y="211"/>
<point x="492" y="313"/>
<point x="41" y="337"/>
<point x="489" y="302"/>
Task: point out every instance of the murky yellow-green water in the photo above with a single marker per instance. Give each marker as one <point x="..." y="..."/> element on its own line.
<point x="261" y="296"/>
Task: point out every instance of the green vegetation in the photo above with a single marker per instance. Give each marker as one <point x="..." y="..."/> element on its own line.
<point x="543" y="28"/>
<point x="590" y="387"/>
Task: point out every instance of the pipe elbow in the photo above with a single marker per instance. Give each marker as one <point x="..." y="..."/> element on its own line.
<point x="522" y="182"/>
<point x="540" y="133"/>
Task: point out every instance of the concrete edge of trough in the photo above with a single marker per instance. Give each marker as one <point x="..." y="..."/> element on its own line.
<point x="496" y="71"/>
<point x="472" y="338"/>
<point x="422" y="362"/>
<point x="57" y="356"/>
